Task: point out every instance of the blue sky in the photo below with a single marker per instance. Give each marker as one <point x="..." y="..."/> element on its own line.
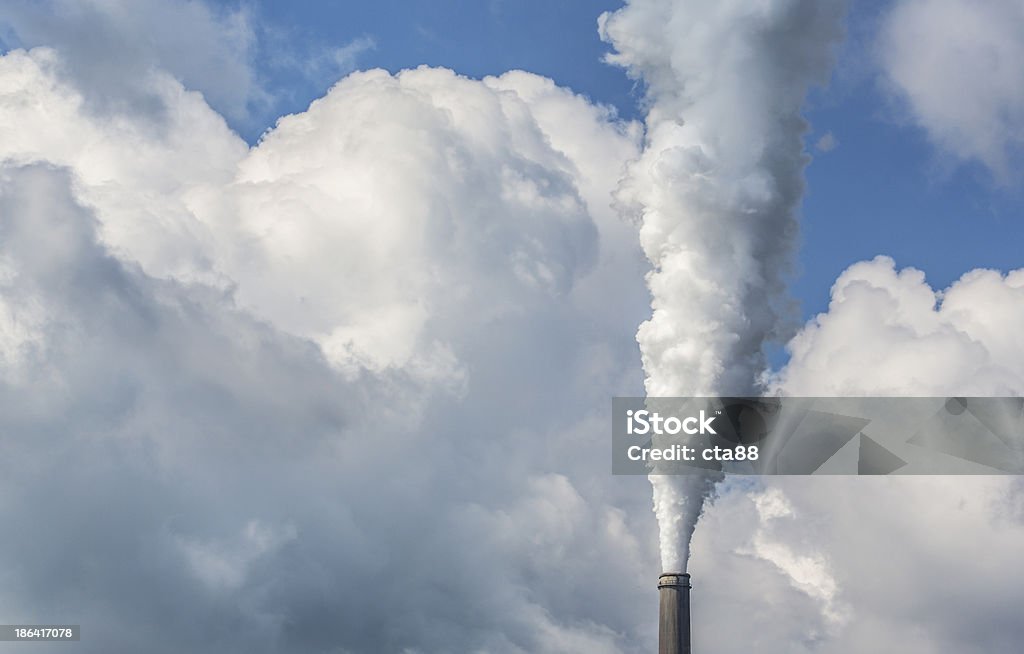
<point x="555" y="39"/>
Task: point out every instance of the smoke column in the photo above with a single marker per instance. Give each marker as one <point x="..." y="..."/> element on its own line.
<point x="717" y="190"/>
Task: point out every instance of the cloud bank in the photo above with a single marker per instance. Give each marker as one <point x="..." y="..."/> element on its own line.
<point x="851" y="564"/>
<point x="271" y="399"/>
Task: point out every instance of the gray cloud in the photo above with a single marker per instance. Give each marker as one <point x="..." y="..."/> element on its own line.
<point x="225" y="480"/>
<point x="110" y="47"/>
<point x="917" y="564"/>
<point x="213" y="484"/>
<point x="111" y="50"/>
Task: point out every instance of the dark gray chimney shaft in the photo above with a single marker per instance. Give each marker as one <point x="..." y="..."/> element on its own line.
<point x="674" y="613"/>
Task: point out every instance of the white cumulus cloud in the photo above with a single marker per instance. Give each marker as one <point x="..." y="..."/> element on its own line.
<point x="887" y="332"/>
<point x="356" y="368"/>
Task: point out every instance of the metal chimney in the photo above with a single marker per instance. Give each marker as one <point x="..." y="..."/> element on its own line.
<point x="674" y="613"/>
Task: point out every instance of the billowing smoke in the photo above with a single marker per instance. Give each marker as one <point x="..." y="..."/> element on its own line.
<point x="716" y="189"/>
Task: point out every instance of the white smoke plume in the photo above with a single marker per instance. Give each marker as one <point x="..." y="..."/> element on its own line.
<point x="716" y="189"/>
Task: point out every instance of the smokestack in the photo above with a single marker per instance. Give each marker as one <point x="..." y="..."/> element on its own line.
<point x="674" y="612"/>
